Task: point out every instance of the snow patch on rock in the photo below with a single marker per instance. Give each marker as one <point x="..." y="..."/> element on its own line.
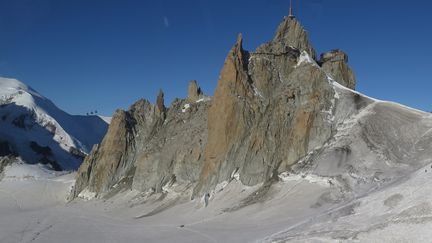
<point x="310" y="178"/>
<point x="305" y="58"/>
<point x="87" y="194"/>
<point x="185" y="108"/>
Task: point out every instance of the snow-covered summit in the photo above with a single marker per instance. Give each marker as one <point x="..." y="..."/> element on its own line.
<point x="12" y="89"/>
<point x="38" y="131"/>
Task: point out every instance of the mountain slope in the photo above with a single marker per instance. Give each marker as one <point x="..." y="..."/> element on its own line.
<point x="38" y="131"/>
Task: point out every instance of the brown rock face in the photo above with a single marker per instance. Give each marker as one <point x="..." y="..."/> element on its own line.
<point x="267" y="111"/>
<point x="226" y="121"/>
<point x="335" y="63"/>
<point x="194" y="91"/>
<point x="106" y="163"/>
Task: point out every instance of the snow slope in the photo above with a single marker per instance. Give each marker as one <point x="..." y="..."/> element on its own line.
<point x="26" y="116"/>
<point x="35" y="209"/>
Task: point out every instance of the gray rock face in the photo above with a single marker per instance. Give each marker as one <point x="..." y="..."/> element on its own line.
<point x="335" y="63"/>
<point x="146" y="148"/>
<point x="270" y="109"/>
<point x="174" y="153"/>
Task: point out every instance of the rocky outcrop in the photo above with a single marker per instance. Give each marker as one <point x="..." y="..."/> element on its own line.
<point x="194" y="91"/>
<point x="160" y="104"/>
<point x="7" y="156"/>
<point x="146" y="148"/>
<point x="5" y="161"/>
<point x="335" y="63"/>
<point x="108" y="162"/>
<point x="270" y="109"/>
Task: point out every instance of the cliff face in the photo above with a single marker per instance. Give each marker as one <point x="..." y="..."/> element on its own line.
<point x="271" y="108"/>
<point x="335" y="63"/>
<point x="109" y="161"/>
<point x="147" y="147"/>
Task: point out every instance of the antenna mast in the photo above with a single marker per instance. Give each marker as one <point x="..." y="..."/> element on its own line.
<point x="291" y="11"/>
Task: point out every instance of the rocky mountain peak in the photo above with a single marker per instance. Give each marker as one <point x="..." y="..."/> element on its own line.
<point x="194" y="91"/>
<point x="233" y="78"/>
<point x="270" y="108"/>
<point x="291" y="33"/>
<point x="239" y="43"/>
<point x="160" y="104"/>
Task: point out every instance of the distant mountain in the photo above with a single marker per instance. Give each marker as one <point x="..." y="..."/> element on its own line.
<point x="33" y="128"/>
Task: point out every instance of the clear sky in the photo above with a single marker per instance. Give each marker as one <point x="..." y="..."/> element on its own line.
<point x="105" y="54"/>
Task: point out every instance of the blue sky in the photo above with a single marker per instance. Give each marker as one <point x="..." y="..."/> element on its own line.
<point x="105" y="54"/>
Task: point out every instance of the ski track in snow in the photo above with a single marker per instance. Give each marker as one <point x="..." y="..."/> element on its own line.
<point x="11" y="195"/>
<point x="207" y="237"/>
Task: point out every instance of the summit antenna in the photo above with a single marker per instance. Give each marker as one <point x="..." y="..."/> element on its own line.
<point x="291" y="11"/>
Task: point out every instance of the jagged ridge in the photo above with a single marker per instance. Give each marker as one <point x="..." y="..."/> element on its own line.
<point x="270" y="109"/>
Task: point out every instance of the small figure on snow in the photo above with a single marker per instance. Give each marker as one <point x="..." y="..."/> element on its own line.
<point x="206" y="199"/>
